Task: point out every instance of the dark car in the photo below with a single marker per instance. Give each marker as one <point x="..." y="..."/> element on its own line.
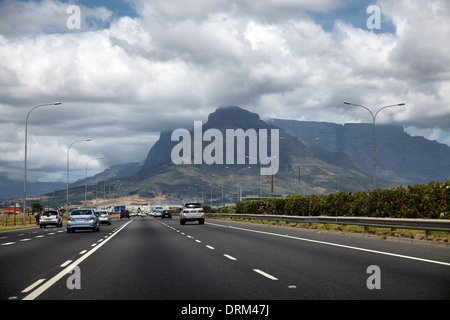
<point x="166" y="214"/>
<point x="124" y="214"/>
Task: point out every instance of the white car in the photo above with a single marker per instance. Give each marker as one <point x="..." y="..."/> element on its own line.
<point x="192" y="212"/>
<point x="83" y="219"/>
<point x="50" y="217"/>
<point x="104" y="217"/>
<point x="157" y="214"/>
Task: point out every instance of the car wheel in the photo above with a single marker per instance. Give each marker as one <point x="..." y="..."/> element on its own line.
<point x="182" y="221"/>
<point x="201" y="221"/>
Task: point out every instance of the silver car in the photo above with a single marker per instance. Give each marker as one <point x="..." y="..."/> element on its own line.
<point x="192" y="212"/>
<point x="104" y="217"/>
<point x="83" y="219"/>
<point x="50" y="217"/>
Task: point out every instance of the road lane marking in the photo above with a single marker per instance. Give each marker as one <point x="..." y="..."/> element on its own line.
<point x="265" y="274"/>
<point x="65" y="263"/>
<point x="83" y="252"/>
<point x="29" y="288"/>
<point x="7" y="243"/>
<point x="210" y="247"/>
<point x="28" y="239"/>
<point x="230" y="257"/>
<point x="338" y="245"/>
<point x="36" y="293"/>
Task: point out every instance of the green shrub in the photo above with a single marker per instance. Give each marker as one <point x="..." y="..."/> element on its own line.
<point x="431" y="200"/>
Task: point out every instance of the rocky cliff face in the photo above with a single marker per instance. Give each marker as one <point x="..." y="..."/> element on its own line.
<point x="319" y="167"/>
<point x="400" y="157"/>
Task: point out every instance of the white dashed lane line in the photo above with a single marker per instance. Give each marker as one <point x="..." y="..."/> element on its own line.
<point x="260" y="272"/>
<point x="265" y="274"/>
<point x="34" y="285"/>
<point x="85" y="254"/>
<point x="230" y="257"/>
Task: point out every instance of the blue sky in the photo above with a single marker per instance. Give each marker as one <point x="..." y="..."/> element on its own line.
<point x="136" y="67"/>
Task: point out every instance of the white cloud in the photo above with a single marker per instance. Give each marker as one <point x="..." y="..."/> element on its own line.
<point x="33" y="17"/>
<point x="124" y="82"/>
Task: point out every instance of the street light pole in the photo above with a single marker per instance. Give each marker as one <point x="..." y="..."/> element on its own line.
<point x="25" y="174"/>
<point x="238" y="196"/>
<point x="373" y="128"/>
<point x="67" y="189"/>
<point x="85" y="178"/>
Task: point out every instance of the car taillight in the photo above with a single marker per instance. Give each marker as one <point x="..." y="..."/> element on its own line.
<point x="186" y="211"/>
<point x="200" y="210"/>
<point x="70" y="219"/>
<point x="90" y="218"/>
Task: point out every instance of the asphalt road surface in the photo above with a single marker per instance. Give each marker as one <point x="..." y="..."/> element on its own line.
<point x="145" y="258"/>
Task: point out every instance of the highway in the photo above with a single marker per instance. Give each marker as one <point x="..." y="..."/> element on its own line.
<point x="145" y="258"/>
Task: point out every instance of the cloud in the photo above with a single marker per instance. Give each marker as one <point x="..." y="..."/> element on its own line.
<point x="123" y="79"/>
<point x="19" y="18"/>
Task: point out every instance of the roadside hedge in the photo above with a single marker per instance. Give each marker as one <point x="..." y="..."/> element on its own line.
<point x="431" y="201"/>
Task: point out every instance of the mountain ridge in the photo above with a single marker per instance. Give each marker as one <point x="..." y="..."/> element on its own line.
<point x="340" y="160"/>
<point x="400" y="157"/>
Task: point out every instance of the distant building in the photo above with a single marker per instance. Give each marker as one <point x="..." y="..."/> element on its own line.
<point x="11" y="210"/>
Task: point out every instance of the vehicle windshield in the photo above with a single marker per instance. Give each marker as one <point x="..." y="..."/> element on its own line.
<point x="81" y="213"/>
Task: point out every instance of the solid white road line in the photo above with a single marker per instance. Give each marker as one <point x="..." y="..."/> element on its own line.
<point x="36" y="293"/>
<point x="338" y="245"/>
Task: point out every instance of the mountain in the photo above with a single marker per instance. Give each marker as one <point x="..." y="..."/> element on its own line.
<point x="313" y="158"/>
<point x="13" y="189"/>
<point x="303" y="166"/>
<point x="400" y="157"/>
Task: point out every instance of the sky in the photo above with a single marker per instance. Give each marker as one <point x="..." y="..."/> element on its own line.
<point x="125" y="70"/>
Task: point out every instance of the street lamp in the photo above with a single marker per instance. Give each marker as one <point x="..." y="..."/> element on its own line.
<point x="373" y="123"/>
<point x="85" y="178"/>
<point x="25" y="174"/>
<point x="239" y="195"/>
<point x="67" y="189"/>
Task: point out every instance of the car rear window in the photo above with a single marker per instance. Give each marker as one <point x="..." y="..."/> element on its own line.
<point x="193" y="205"/>
<point x="50" y="213"/>
<point x="81" y="213"/>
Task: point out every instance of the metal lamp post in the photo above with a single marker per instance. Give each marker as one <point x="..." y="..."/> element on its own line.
<point x="25" y="174"/>
<point x="67" y="189"/>
<point x="373" y="123"/>
<point x="85" y="178"/>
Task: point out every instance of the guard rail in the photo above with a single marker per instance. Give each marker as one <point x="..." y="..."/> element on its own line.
<point x="417" y="224"/>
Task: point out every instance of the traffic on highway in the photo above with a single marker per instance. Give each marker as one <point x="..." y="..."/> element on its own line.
<point x="149" y="257"/>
